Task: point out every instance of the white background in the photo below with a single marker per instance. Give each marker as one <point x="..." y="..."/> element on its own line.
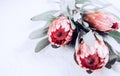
<point x="17" y="56"/>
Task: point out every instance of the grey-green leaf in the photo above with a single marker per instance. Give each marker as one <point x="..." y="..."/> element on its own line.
<point x="86" y="25"/>
<point x="113" y="43"/>
<point x="72" y="24"/>
<point x="46" y="16"/>
<point x="115" y="35"/>
<point x="38" y="33"/>
<point x="66" y="7"/>
<point x="112" y="56"/>
<point x="81" y="1"/>
<point x="77" y="42"/>
<point x="42" y="44"/>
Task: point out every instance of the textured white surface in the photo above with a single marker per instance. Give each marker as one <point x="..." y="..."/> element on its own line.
<point x="17" y="57"/>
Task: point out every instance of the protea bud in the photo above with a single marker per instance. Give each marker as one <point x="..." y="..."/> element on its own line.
<point x="92" y="57"/>
<point x="60" y="32"/>
<point x="102" y="21"/>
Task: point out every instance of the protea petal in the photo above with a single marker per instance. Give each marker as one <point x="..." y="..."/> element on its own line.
<point x="92" y="57"/>
<point x="102" y="21"/>
<point x="60" y="32"/>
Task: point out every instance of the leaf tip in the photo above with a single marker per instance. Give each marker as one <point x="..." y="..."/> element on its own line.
<point x="31" y="36"/>
<point x="31" y="19"/>
<point x="36" y="51"/>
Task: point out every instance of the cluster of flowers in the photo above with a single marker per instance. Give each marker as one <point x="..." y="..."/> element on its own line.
<point x="94" y="57"/>
<point x="88" y="34"/>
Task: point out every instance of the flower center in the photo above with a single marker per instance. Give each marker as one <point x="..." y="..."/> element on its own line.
<point x="59" y="34"/>
<point x="91" y="61"/>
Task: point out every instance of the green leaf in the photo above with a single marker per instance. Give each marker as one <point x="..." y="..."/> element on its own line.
<point x="81" y="1"/>
<point x="92" y="5"/>
<point x="77" y="42"/>
<point x="115" y="35"/>
<point x="99" y="2"/>
<point x="42" y="44"/>
<point x="86" y="25"/>
<point x="46" y="16"/>
<point x="68" y="11"/>
<point x="72" y="24"/>
<point x="40" y="32"/>
<point x="66" y="7"/>
<point x="113" y="43"/>
<point x="112" y="56"/>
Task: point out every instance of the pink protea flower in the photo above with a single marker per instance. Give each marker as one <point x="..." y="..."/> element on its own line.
<point x="102" y="21"/>
<point x="60" y="32"/>
<point x="92" y="57"/>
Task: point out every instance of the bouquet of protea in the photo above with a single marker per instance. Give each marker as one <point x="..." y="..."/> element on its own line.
<point x="85" y="25"/>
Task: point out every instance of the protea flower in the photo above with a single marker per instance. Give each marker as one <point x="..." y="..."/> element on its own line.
<point x="92" y="57"/>
<point x="60" y="32"/>
<point x="102" y="21"/>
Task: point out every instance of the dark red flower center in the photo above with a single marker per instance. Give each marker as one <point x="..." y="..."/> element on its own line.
<point x="115" y="25"/>
<point x="92" y="62"/>
<point x="59" y="35"/>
